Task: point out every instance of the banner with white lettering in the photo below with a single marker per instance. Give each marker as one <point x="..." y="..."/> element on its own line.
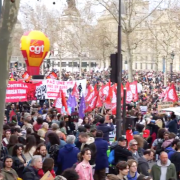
<point x="16" y="91"/>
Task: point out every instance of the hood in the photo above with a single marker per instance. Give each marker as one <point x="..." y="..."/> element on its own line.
<point x="132" y="178"/>
<point x="170" y="149"/>
<point x="69" y="147"/>
<point x="159" y="163"/>
<point x="90" y="140"/>
<point x="142" y="160"/>
<point x="112" y="177"/>
<point x="167" y="143"/>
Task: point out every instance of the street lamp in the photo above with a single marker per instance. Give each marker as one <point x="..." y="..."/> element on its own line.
<point x="171" y="64"/>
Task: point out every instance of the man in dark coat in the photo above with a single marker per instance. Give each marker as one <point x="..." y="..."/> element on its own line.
<point x="31" y="172"/>
<point x="101" y="158"/>
<point x="121" y="153"/>
<point x="105" y="128"/>
<point x="88" y="142"/>
<point x="143" y="166"/>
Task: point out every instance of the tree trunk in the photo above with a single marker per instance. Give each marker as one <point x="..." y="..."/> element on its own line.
<point x="8" y="21"/>
<point x="130" y="58"/>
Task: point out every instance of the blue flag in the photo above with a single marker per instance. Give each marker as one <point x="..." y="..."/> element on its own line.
<point x="82" y="107"/>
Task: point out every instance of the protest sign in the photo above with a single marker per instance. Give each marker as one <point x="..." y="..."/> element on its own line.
<point x="47" y="176"/>
<point x="163" y="105"/>
<point x="16" y="91"/>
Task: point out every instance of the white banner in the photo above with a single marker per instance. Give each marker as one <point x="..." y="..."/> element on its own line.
<point x="53" y="87"/>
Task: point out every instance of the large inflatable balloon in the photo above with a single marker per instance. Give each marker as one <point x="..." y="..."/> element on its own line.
<point x="34" y="47"/>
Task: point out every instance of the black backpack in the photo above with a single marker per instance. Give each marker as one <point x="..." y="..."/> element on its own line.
<point x="159" y="147"/>
<point x="54" y="151"/>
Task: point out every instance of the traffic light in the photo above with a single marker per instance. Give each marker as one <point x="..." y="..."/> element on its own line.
<point x="114" y="67"/>
<point x="16" y="64"/>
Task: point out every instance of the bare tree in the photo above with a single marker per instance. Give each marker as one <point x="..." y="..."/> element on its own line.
<point x="8" y="21"/>
<point x="165" y="34"/>
<point x="137" y="11"/>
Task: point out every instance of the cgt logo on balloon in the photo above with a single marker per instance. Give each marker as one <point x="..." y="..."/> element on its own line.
<point x="36" y="48"/>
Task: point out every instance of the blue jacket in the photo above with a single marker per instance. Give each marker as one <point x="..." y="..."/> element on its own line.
<point x="170" y="151"/>
<point x="101" y="156"/>
<point x="67" y="156"/>
<point x="173" y="126"/>
<point x="105" y="129"/>
<point x="132" y="178"/>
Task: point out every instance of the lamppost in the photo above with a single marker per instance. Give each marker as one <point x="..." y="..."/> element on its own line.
<point x="119" y="79"/>
<point x="0" y="7"/>
<point x="171" y="64"/>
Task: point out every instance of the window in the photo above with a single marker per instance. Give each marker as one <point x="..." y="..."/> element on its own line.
<point x="152" y="66"/>
<point x="84" y="64"/>
<point x="63" y="64"/>
<point x="140" y="65"/>
<point x="135" y="65"/>
<point x="70" y="64"/>
<point x="75" y="64"/>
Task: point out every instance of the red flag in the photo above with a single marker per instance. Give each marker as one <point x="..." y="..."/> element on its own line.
<point x="75" y="91"/>
<point x="99" y="101"/>
<point x="129" y="95"/>
<point x="122" y="91"/>
<point x="52" y="75"/>
<point x="89" y="90"/>
<point x="134" y="90"/>
<point x="104" y="91"/>
<point x="58" y="102"/>
<point x="129" y="135"/>
<point x="64" y="103"/>
<point x="170" y="94"/>
<point x="110" y="94"/>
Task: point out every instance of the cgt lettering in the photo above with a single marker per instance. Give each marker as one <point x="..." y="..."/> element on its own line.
<point x="37" y="49"/>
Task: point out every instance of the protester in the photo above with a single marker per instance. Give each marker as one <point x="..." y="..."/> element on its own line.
<point x="12" y="141"/>
<point x="132" y="174"/>
<point x="123" y="169"/>
<point x="68" y="154"/>
<point x="121" y="152"/>
<point x="5" y="141"/>
<point x="71" y="174"/>
<point x="164" y="169"/>
<point x="133" y="146"/>
<point x="30" y="147"/>
<point x="143" y="165"/>
<point x="84" y="169"/>
<point x="19" y="160"/>
<point x="105" y="128"/>
<point x="48" y="165"/>
<point x="101" y="157"/>
<point x="42" y="151"/>
<point x="88" y="142"/>
<point x="7" y="172"/>
<point x="34" y="172"/>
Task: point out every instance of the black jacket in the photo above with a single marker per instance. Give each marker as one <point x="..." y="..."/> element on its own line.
<point x="143" y="166"/>
<point x="175" y="159"/>
<point x="30" y="173"/>
<point x="121" y="153"/>
<point x="18" y="166"/>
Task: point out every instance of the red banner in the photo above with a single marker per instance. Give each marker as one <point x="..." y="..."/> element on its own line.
<point x="16" y="91"/>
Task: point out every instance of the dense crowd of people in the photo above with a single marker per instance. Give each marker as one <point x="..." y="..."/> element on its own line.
<point x="37" y="139"/>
